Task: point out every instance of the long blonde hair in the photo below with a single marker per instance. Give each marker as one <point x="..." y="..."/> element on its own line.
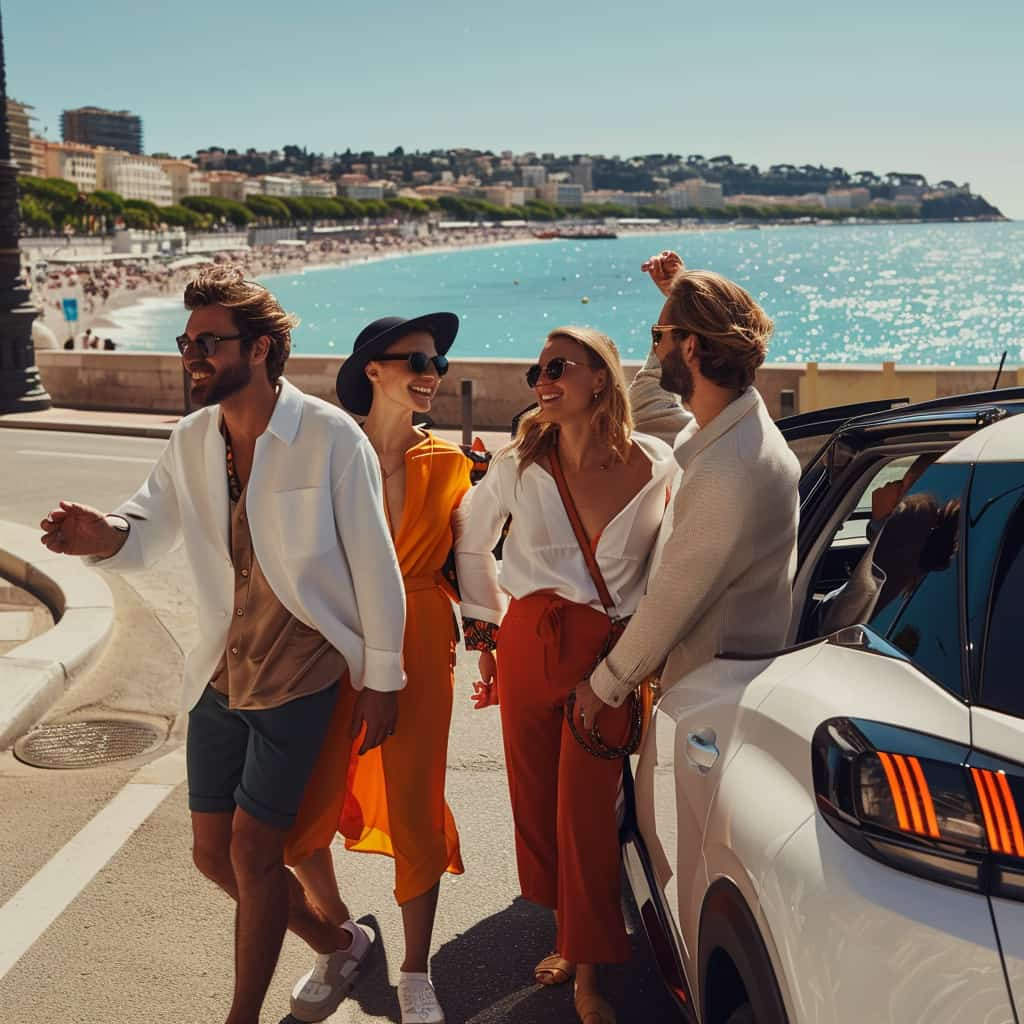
<point x="610" y="420"/>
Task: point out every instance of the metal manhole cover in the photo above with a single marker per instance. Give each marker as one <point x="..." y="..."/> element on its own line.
<point x="86" y="744"/>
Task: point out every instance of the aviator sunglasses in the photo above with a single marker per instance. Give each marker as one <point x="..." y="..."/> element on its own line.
<point x="659" y="330"/>
<point x="418" y="361"/>
<point x="553" y="370"/>
<point x="206" y="342"/>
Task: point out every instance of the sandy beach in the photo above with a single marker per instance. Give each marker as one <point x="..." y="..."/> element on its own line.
<point x="103" y="288"/>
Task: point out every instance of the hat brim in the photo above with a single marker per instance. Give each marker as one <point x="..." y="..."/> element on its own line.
<point x="355" y="392"/>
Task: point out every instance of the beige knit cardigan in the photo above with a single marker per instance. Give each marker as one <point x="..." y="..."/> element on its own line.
<point x="722" y="570"/>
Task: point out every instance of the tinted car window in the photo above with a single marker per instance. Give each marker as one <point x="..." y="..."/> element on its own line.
<point x="996" y="492"/>
<point x="917" y="607"/>
<point x="1002" y="681"/>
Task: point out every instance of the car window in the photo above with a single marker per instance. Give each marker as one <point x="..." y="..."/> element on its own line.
<point x="915" y="603"/>
<point x="856" y="523"/>
<point x="995" y="560"/>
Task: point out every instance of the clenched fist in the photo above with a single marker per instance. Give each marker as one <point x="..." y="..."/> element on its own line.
<point x="73" y="529"/>
<point x="663" y="269"/>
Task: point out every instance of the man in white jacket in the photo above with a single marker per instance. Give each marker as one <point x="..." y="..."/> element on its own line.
<point x="722" y="569"/>
<point x="278" y="499"/>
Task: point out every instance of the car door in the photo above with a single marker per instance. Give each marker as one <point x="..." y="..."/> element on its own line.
<point x="995" y="621"/>
<point x="694" y="735"/>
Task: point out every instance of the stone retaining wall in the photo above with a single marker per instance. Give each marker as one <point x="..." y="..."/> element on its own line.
<point x="152" y="382"/>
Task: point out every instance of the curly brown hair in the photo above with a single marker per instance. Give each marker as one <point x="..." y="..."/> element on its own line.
<point x="254" y="310"/>
<point x="732" y="329"/>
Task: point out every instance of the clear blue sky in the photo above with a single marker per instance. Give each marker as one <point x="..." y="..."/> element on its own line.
<point x="933" y="89"/>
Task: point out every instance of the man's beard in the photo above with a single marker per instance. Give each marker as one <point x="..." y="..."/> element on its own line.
<point x="676" y="376"/>
<point x="225" y="384"/>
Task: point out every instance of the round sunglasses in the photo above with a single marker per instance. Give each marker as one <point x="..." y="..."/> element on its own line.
<point x="418" y="361"/>
<point x="552" y="369"/>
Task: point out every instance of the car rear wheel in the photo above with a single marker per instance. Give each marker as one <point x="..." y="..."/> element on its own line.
<point x="742" y="1015"/>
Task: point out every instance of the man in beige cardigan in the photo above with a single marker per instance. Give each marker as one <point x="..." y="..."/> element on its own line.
<point x="722" y="569"/>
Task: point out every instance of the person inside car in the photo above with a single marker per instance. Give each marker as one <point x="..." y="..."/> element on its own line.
<point x="856" y="599"/>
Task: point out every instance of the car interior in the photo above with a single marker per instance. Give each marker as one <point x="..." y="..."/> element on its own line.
<point x="839" y="547"/>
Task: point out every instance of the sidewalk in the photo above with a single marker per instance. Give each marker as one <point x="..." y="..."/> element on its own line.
<point x="160" y="425"/>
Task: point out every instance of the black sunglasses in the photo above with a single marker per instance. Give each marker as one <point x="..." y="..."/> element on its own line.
<point x="418" y="361"/>
<point x="206" y="342"/>
<point x="553" y="370"/>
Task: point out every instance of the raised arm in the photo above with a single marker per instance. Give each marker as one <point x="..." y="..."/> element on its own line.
<point x="656" y="411"/>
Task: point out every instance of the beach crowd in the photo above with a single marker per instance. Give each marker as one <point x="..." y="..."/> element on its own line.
<point x="102" y="285"/>
<point x="642" y="527"/>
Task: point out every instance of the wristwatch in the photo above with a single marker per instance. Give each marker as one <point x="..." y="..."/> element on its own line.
<point x="118" y="522"/>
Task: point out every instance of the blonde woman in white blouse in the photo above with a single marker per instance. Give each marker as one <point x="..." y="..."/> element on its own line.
<point x="553" y="627"/>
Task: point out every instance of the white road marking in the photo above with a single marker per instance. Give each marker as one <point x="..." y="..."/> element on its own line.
<point x="45" y="896"/>
<point x="85" y="455"/>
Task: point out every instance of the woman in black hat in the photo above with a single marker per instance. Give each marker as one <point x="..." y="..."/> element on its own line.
<point x="394" y="802"/>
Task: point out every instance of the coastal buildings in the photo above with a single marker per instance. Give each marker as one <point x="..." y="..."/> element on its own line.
<point x="533" y="175"/>
<point x="133" y="177"/>
<point x="228" y="185"/>
<point x="20" y="135"/>
<point x="561" y="193"/>
<point x="93" y="126"/>
<point x="695" y="193"/>
<point x="186" y="179"/>
<point x="70" y="161"/>
<point x="583" y="173"/>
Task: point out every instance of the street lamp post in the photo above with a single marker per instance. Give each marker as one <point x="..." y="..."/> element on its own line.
<point x="21" y="390"/>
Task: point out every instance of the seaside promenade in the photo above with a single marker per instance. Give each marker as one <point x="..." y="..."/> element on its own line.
<point x="103" y="917"/>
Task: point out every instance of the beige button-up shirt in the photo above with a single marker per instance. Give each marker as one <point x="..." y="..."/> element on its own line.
<point x="271" y="658"/>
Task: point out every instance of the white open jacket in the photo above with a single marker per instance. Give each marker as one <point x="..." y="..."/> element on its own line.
<point x="316" y="514"/>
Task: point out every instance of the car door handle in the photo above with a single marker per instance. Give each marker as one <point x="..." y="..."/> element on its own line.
<point x="701" y="751"/>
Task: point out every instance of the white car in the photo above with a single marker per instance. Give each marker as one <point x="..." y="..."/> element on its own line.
<point x="834" y="832"/>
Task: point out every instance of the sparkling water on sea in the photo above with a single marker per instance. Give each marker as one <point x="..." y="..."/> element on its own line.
<point x="921" y="294"/>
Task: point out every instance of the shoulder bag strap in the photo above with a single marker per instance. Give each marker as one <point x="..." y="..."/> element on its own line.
<point x="581" y="534"/>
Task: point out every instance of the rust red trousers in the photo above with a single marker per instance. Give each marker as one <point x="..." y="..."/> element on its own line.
<point x="563" y="799"/>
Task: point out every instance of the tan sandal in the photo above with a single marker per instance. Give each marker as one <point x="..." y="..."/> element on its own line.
<point x="592" y="1009"/>
<point x="553" y="970"/>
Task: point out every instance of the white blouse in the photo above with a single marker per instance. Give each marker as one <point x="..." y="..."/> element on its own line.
<point x="541" y="552"/>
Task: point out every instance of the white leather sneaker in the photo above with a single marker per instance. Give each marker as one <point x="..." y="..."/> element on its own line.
<point x="418" y="1001"/>
<point x="320" y="992"/>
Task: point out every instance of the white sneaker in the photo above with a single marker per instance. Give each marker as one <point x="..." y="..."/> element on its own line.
<point x="418" y="1001"/>
<point x="320" y="992"/>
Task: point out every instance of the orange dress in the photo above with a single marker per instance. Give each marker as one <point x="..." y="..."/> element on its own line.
<point x="391" y="800"/>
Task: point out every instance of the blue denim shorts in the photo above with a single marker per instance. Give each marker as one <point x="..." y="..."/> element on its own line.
<point x="257" y="760"/>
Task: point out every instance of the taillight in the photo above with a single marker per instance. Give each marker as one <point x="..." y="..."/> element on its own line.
<point x="922" y="804"/>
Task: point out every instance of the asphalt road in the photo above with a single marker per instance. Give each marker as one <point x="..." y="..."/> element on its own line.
<point x="141" y="936"/>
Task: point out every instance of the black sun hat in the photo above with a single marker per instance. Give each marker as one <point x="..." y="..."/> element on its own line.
<point x="355" y="392"/>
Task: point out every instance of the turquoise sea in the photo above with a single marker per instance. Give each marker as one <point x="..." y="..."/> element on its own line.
<point x="945" y="294"/>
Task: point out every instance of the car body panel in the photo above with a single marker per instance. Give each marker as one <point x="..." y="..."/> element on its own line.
<point x="1002" y="735"/>
<point x="858" y="941"/>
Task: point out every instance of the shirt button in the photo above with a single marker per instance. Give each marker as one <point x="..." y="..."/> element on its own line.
<point x="245" y="572"/>
<point x="239" y="611"/>
<point x="234" y="650"/>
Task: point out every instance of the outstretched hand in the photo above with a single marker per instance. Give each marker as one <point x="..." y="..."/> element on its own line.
<point x="74" y="529"/>
<point x="663" y="269"/>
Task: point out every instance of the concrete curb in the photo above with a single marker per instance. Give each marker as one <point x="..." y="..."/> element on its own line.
<point x="35" y="674"/>
<point x="110" y="429"/>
